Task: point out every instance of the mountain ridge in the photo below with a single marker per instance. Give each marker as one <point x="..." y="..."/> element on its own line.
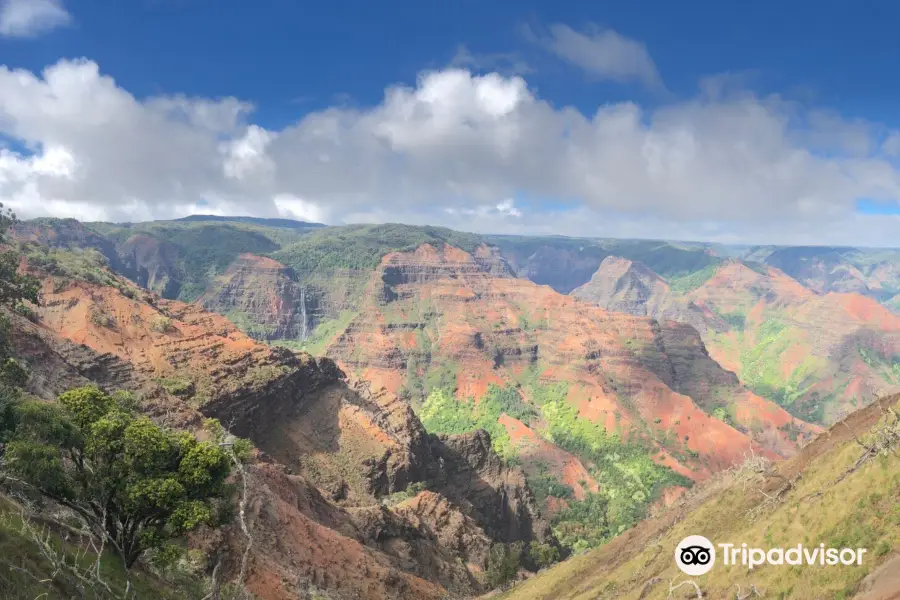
<point x="787" y="342"/>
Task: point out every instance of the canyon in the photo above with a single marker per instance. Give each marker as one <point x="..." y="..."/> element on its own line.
<point x="419" y="397"/>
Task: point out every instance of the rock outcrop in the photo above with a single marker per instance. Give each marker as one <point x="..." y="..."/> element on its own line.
<point x="626" y="286"/>
<point x="469" y="473"/>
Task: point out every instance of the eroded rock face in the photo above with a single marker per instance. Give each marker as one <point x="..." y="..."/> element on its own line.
<point x="314" y="529"/>
<point x="739" y="311"/>
<point x="624" y="286"/>
<point x="428" y="264"/>
<point x="266" y="295"/>
<point x="151" y="263"/>
<point x="469" y="473"/>
<point x="436" y="308"/>
<point x="302" y="544"/>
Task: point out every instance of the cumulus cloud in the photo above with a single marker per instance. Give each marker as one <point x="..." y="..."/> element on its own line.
<point x="30" y="18"/>
<point x="601" y="52"/>
<point x="457" y="149"/>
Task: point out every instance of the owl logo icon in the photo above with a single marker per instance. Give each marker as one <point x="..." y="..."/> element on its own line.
<point x="695" y="555"/>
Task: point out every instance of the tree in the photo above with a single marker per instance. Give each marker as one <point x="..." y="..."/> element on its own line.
<point x="135" y="484"/>
<point x="542" y="555"/>
<point x="503" y="562"/>
<point x="14" y="286"/>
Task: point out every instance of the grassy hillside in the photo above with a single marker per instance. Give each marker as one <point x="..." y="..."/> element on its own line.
<point x="360" y="247"/>
<point x="191" y="253"/>
<point x="44" y="562"/>
<point x="835" y="492"/>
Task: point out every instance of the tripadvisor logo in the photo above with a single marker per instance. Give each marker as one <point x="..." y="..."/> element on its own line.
<point x="696" y="555"/>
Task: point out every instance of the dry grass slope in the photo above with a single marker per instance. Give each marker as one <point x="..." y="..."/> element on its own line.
<point x="841" y="490"/>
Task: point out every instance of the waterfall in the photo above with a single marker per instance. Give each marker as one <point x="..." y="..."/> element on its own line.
<point x="303" y="312"/>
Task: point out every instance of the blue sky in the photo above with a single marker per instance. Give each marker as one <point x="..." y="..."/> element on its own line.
<point x="279" y="52"/>
<point x="732" y="121"/>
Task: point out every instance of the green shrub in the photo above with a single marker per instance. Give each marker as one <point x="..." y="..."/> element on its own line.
<point x="23" y="310"/>
<point x="503" y="563"/>
<point x="13" y="374"/>
<point x="161" y="324"/>
<point x="627" y="475"/>
<point x="361" y="247"/>
<point x="411" y="491"/>
<point x="444" y="413"/>
<point x="100" y="318"/>
<point x="176" y="386"/>
<point x="542" y="555"/>
<point x="243" y="448"/>
<point x="545" y="486"/>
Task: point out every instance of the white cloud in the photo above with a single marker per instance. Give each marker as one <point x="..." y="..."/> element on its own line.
<point x="292" y="207"/>
<point x="602" y="53"/>
<point x="30" y="18"/>
<point x="508" y="207"/>
<point x="246" y="157"/>
<point x="456" y="149"/>
<point x="891" y="144"/>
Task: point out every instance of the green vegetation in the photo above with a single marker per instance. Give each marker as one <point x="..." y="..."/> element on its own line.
<point x="39" y="566"/>
<point x="664" y="258"/>
<point x="135" y="485"/>
<point x="194" y="252"/>
<point x="584" y="524"/>
<point x="362" y="246"/>
<point x="70" y="265"/>
<point x="692" y="281"/>
<point x="505" y="560"/>
<point x="411" y="491"/>
<point x="725" y="414"/>
<point x="444" y="413"/>
<point x="887" y="368"/>
<point x="736" y="318"/>
<point x="14" y="286"/>
<point x="503" y="563"/>
<point x="521" y="247"/>
<point x="100" y="318"/>
<point x="442" y="377"/>
<point x="323" y="335"/>
<point x="542" y="393"/>
<point x="544" y="485"/>
<point x="838" y="499"/>
<point x="542" y="555"/>
<point x="207" y="250"/>
<point x="177" y="386"/>
<point x="248" y="325"/>
<point x="629" y="479"/>
<point x="762" y="364"/>
<point x="24" y="310"/>
<point x="161" y="324"/>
